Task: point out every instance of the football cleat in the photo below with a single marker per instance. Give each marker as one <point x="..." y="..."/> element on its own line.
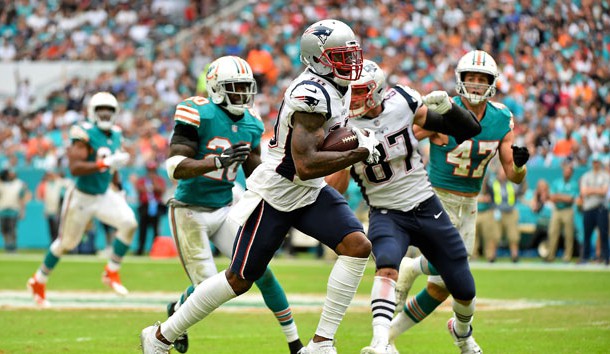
<point x="38" y="291"/>
<point x="380" y="349"/>
<point x="406" y="278"/>
<point x="149" y="342"/>
<point x="325" y="347"/>
<point x="181" y="344"/>
<point x="113" y="280"/>
<point x="466" y="344"/>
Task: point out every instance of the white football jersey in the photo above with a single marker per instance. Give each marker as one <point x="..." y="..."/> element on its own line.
<point x="399" y="181"/>
<point x="275" y="180"/>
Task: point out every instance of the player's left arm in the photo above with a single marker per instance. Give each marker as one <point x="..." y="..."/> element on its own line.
<point x="443" y="116"/>
<point x="513" y="158"/>
<point x="254" y="159"/>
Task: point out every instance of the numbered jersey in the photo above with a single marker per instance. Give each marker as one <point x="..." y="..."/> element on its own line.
<point x="216" y="131"/>
<point x="462" y="167"/>
<point x="276" y="180"/>
<point x="399" y="181"/>
<point x="102" y="144"/>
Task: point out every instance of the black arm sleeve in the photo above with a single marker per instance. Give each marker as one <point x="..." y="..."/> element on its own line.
<point x="186" y="135"/>
<point x="458" y="122"/>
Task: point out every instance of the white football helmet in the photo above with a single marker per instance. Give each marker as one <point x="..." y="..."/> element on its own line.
<point x="330" y="47"/>
<point x="104" y="120"/>
<point x="230" y="83"/>
<point x="480" y="62"/>
<point x="368" y="91"/>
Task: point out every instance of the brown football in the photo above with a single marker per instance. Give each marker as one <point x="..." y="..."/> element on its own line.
<point x="341" y="139"/>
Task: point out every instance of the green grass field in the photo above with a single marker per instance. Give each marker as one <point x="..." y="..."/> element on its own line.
<point x="527" y="308"/>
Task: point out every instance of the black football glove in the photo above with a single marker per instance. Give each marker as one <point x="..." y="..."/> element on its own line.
<point x="237" y="153"/>
<point x="520" y="155"/>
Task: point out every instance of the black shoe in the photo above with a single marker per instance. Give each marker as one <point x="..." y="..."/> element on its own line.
<point x="295" y="346"/>
<point x="181" y="344"/>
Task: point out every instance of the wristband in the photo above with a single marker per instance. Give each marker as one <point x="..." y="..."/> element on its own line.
<point x="518" y="169"/>
<point x="217" y="162"/>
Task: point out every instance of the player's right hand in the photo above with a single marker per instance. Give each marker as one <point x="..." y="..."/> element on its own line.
<point x="437" y="101"/>
<point x="237" y="153"/>
<point x="116" y="160"/>
<point x="369" y="142"/>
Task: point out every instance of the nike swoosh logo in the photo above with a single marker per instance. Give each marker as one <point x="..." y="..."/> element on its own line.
<point x="310" y="90"/>
<point x="436" y="216"/>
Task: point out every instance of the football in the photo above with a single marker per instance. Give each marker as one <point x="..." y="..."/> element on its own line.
<point x="342" y="139"/>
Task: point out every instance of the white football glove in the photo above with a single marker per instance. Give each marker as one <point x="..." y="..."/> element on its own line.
<point x="438" y="101"/>
<point x="369" y="142"/>
<point x="116" y="160"/>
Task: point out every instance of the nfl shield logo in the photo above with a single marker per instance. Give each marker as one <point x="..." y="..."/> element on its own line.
<point x="234" y="128"/>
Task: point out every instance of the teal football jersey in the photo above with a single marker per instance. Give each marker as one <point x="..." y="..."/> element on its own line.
<point x="462" y="167"/>
<point x="102" y="144"/>
<point x="216" y="132"/>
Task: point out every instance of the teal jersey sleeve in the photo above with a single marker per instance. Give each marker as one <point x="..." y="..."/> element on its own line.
<point x="462" y="167"/>
<point x="216" y="131"/>
<point x="102" y="144"/>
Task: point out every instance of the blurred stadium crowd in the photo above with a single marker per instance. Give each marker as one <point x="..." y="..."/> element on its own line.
<point x="553" y="57"/>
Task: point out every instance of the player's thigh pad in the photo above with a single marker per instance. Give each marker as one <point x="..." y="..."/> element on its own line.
<point x="191" y="229"/>
<point x="441" y="244"/>
<point x="77" y="211"/>
<point x="115" y="211"/>
<point x="463" y="214"/>
<point x="329" y="219"/>
<point x="390" y="240"/>
<point x="261" y="235"/>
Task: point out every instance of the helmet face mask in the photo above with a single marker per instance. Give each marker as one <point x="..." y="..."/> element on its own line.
<point x="102" y="110"/>
<point x="475" y="91"/>
<point x="231" y="84"/>
<point x="368" y="91"/>
<point x="330" y="47"/>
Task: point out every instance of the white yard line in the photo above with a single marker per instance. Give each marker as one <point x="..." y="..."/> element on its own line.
<point x="156" y="301"/>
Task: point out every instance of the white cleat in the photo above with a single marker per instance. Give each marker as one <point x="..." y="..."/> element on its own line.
<point x="325" y="347"/>
<point x="406" y="278"/>
<point x="149" y="342"/>
<point x="380" y="349"/>
<point x="466" y="344"/>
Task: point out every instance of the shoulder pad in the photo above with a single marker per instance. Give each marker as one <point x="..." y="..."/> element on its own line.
<point x="311" y="97"/>
<point x="117" y="129"/>
<point x="187" y="112"/>
<point x="412" y="97"/>
<point x="78" y="132"/>
<point x="254" y="113"/>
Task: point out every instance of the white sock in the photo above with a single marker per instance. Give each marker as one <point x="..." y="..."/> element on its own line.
<point x="291" y="332"/>
<point x="383" y="305"/>
<point x="207" y="297"/>
<point x="40" y="277"/>
<point x="400" y="324"/>
<point x="418" y="265"/>
<point x="463" y="317"/>
<point x="342" y="285"/>
<point x="113" y="265"/>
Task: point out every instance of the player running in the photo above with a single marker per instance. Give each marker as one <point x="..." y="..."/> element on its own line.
<point x="212" y="138"/>
<point x="456" y="173"/>
<point x="94" y="158"/>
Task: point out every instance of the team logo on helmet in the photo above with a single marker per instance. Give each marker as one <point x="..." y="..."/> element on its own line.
<point x="322" y="32"/>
